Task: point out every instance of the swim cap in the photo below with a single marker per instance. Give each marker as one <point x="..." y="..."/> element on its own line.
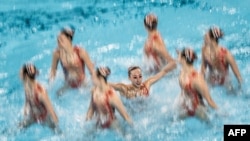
<point x="189" y="55"/>
<point x="103" y="71"/>
<point x="68" y="31"/>
<point x="216" y="32"/>
<point x="30" y="70"/>
<point x="150" y="21"/>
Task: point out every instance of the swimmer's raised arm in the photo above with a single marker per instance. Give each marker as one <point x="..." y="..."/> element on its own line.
<point x="203" y="64"/>
<point x="90" y="112"/>
<point x="85" y="57"/>
<point x="122" y="88"/>
<point x="117" y="103"/>
<point x="26" y="107"/>
<point x="151" y="80"/>
<point x="230" y="59"/>
<point x="55" y="61"/>
<point x="163" y="52"/>
<point x="202" y="89"/>
<point x="45" y="100"/>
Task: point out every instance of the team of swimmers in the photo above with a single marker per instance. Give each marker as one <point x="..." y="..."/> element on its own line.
<point x="216" y="61"/>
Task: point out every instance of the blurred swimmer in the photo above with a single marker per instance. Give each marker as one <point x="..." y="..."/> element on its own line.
<point x="217" y="59"/>
<point x="37" y="108"/>
<point x="193" y="88"/>
<point x="72" y="59"/>
<point x="104" y="102"/>
<point x="138" y="88"/>
<point x="155" y="51"/>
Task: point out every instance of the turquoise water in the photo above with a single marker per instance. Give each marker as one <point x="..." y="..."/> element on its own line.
<point x="113" y="34"/>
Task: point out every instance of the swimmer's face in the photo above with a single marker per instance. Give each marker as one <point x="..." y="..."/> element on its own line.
<point x="136" y="77"/>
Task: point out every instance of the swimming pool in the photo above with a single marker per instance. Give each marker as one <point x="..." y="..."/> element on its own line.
<point x="113" y="34"/>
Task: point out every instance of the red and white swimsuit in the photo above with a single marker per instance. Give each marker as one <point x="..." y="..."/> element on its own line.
<point x="143" y="91"/>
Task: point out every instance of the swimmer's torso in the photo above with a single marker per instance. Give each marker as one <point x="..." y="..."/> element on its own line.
<point x="132" y="92"/>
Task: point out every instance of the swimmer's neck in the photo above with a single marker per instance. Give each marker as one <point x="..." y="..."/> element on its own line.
<point x="102" y="85"/>
<point x="151" y="33"/>
<point x="213" y="46"/>
<point x="187" y="68"/>
<point x="29" y="83"/>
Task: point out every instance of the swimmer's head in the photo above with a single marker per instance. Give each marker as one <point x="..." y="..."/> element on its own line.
<point x="150" y="21"/>
<point x="30" y="71"/>
<point x="103" y="72"/>
<point x="189" y="55"/>
<point x="215" y="33"/>
<point x="135" y="75"/>
<point x="130" y="69"/>
<point x="68" y="32"/>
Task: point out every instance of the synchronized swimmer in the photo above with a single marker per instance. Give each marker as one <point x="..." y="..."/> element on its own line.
<point x="73" y="60"/>
<point x="104" y="102"/>
<point x="217" y="59"/>
<point x="194" y="89"/>
<point x="38" y="107"/>
<point x="138" y="87"/>
<point x="155" y="50"/>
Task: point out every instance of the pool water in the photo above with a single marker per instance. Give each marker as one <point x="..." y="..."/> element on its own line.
<point x="113" y="34"/>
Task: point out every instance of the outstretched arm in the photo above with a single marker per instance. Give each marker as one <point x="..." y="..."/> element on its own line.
<point x="90" y="112"/>
<point x="117" y="103"/>
<point x="55" y="61"/>
<point x="151" y="80"/>
<point x="26" y="106"/>
<point x="232" y="63"/>
<point x="120" y="87"/>
<point x="163" y="52"/>
<point x="85" y="57"/>
<point x="45" y="100"/>
<point x="203" y="64"/>
<point x="202" y="89"/>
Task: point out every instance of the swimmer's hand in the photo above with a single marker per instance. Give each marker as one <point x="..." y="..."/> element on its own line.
<point x="51" y="80"/>
<point x="87" y="118"/>
<point x="130" y="122"/>
<point x="55" y="127"/>
<point x="240" y="89"/>
<point x="23" y="124"/>
<point x="239" y="86"/>
<point x="57" y="130"/>
<point x="221" y="113"/>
